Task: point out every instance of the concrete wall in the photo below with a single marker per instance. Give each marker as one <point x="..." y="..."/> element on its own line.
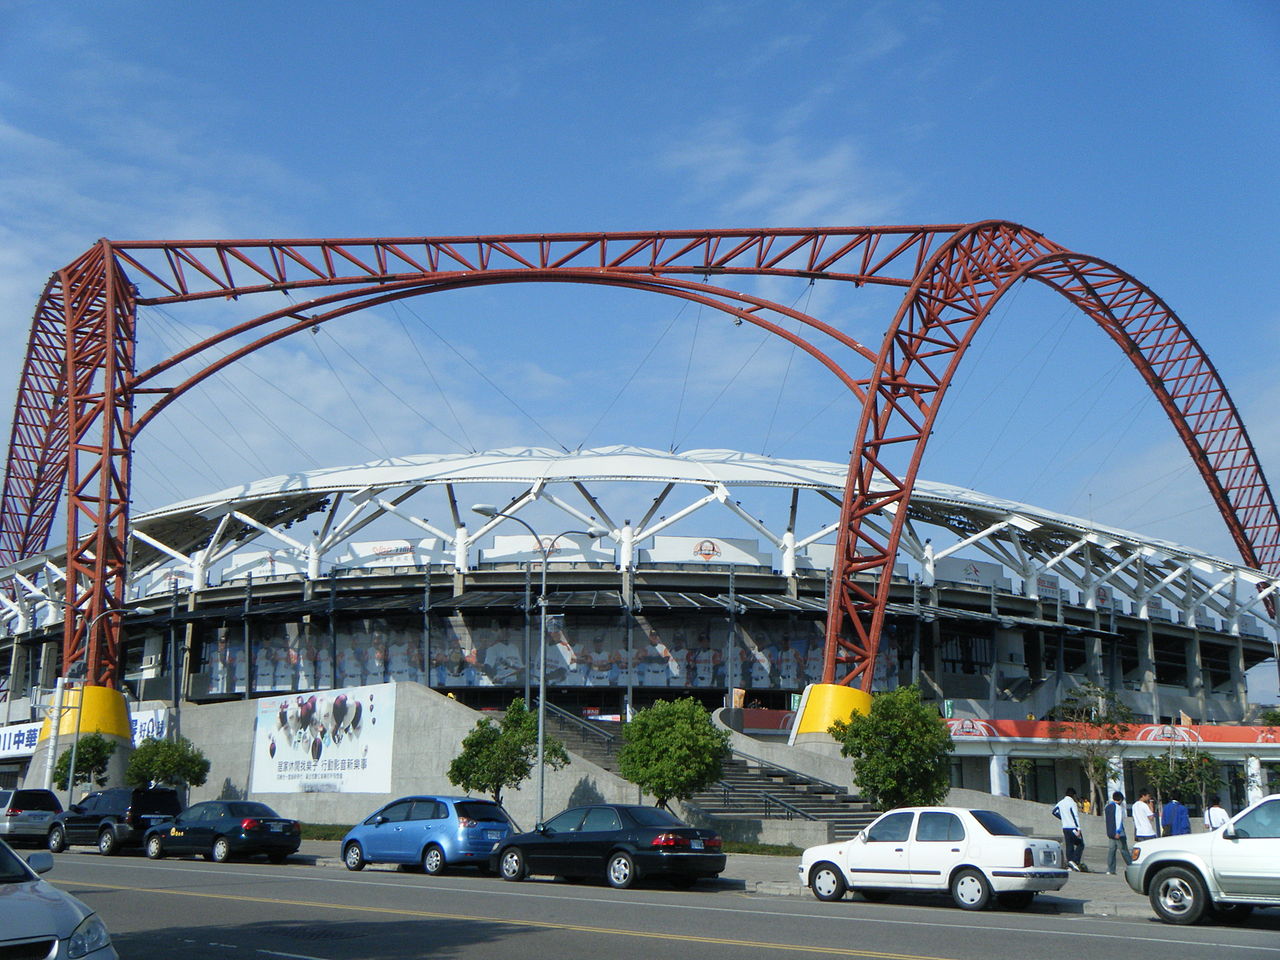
<point x="822" y="761"/>
<point x="1034" y="818"/>
<point x="429" y="732"/>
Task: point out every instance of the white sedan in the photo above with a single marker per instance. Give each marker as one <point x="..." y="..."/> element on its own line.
<point x="974" y="855"/>
<point x="39" y="920"/>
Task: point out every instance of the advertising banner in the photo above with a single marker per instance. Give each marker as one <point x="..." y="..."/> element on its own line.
<point x="19" y="739"/>
<point x="334" y="741"/>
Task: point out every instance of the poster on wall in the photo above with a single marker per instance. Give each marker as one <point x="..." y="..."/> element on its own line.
<point x="331" y="741"/>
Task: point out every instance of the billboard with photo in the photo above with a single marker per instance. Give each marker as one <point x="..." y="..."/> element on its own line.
<point x="331" y="741"/>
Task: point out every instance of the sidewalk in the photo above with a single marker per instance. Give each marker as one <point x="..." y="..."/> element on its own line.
<point x="1089" y="894"/>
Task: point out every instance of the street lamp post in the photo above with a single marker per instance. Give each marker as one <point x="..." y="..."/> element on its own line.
<point x="595" y="532"/>
<point x="75" y="744"/>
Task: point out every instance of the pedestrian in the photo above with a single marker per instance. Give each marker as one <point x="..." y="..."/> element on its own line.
<point x="1068" y="811"/>
<point x="1116" y="840"/>
<point x="1174" y="818"/>
<point x="1144" y="818"/>
<point x="1214" y="815"/>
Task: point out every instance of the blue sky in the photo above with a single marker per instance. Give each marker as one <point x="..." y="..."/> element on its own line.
<point x="1143" y="133"/>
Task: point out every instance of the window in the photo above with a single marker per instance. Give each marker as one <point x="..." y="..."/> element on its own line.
<point x="939" y="828"/>
<point x="201" y="811"/>
<point x="892" y="828"/>
<point x="248" y="808"/>
<point x="428" y="810"/>
<point x="654" y="817"/>
<point x="480" y="811"/>
<point x="1262" y="822"/>
<point x="566" y="821"/>
<point x="995" y="824"/>
<point x="395" y="812"/>
<point x="600" y="818"/>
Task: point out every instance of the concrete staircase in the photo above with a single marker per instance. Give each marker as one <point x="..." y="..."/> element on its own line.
<point x="750" y="789"/>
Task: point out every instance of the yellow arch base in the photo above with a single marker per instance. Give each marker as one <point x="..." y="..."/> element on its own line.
<point x="824" y="703"/>
<point x="104" y="711"/>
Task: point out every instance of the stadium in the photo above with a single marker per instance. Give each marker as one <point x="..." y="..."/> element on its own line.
<point x="326" y="636"/>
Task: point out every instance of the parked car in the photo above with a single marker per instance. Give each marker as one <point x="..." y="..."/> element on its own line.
<point x="25" y="814"/>
<point x="39" y="920"/>
<point x="974" y="855"/>
<point x="435" y="832"/>
<point x="1224" y="873"/>
<point x="112" y="819"/>
<point x="619" y="842"/>
<point x="221" y="829"/>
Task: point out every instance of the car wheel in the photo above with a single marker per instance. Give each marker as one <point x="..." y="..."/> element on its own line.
<point x="433" y="861"/>
<point x="107" y="844"/>
<point x="827" y="882"/>
<point x="511" y="865"/>
<point x="1178" y="896"/>
<point x="353" y="857"/>
<point x="875" y="896"/>
<point x="970" y="890"/>
<point x="221" y="851"/>
<point x="620" y="871"/>
<point x="155" y="849"/>
<point x="277" y="857"/>
<point x="1232" y="912"/>
<point x="57" y="839"/>
<point x="1016" y="899"/>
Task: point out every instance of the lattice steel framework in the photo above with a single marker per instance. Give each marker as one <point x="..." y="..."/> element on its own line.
<point x="74" y="421"/>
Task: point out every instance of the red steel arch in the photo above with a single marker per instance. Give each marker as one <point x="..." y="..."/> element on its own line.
<point x="74" y="419"/>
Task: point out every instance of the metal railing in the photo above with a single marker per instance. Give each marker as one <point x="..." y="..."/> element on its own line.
<point x="788" y="772"/>
<point x="573" y="720"/>
<point x="737" y="797"/>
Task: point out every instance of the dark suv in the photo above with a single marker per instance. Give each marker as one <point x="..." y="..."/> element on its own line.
<point x="112" y="819"/>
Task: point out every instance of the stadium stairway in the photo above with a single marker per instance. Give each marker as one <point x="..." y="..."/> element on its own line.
<point x="749" y="789"/>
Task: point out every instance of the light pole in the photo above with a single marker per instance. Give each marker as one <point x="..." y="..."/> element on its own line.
<point x="595" y="532"/>
<point x="75" y="744"/>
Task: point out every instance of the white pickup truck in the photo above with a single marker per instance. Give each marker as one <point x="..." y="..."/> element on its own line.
<point x="1224" y="872"/>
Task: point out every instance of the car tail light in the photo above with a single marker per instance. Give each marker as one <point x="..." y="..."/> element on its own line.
<point x="250" y="823"/>
<point x="466" y="823"/>
<point x="1028" y="857"/>
<point x="13" y="811"/>
<point x="714" y="843"/>
<point x="669" y="840"/>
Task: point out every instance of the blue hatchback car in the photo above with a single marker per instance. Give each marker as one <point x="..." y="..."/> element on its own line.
<point x="435" y="832"/>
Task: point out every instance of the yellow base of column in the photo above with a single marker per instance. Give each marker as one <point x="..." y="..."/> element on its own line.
<point x="821" y="704"/>
<point x="91" y="709"/>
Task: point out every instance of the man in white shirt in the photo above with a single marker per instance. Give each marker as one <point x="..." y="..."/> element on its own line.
<point x="1214" y="815"/>
<point x="1068" y="811"/>
<point x="1144" y="819"/>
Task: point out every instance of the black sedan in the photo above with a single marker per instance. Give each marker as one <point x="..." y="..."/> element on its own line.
<point x="222" y="829"/>
<point x="624" y="843"/>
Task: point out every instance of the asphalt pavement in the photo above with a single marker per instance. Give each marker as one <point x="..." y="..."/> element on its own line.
<point x="1093" y="894"/>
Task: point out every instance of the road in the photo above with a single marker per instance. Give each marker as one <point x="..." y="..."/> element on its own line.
<point x="205" y="911"/>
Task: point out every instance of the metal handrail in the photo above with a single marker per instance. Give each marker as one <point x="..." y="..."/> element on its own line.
<point x="840" y="791"/>
<point x="562" y="714"/>
<point x="732" y="797"/>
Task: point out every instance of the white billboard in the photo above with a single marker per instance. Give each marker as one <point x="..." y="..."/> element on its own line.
<point x="573" y="548"/>
<point x="264" y="563"/>
<point x="706" y="550"/>
<point x="19" y="739"/>
<point x="332" y="741"/>
<point x="394" y="553"/>
<point x="977" y="572"/>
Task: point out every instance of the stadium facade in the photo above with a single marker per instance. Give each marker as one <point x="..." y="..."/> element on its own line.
<point x="713" y="580"/>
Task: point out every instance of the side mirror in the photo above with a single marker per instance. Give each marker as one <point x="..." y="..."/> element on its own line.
<point x="1229" y="831"/>
<point x="379" y="821"/>
<point x="545" y="830"/>
<point x="75" y="808"/>
<point x="41" y="861"/>
<point x="861" y="837"/>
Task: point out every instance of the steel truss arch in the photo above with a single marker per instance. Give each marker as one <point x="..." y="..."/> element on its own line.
<point x="933" y="328"/>
<point x="74" y="424"/>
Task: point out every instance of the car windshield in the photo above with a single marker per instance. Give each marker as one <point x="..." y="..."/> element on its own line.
<point x="479" y="810"/>
<point x="244" y="808"/>
<point x="12" y="869"/>
<point x="995" y="824"/>
<point x="36" y="800"/>
<point x="156" y="801"/>
<point x="654" y="817"/>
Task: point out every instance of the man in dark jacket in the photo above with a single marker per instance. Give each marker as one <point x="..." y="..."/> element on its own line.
<point x="1174" y="818"/>
<point x="1117" y="842"/>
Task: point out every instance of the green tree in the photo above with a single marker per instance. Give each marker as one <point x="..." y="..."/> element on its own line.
<point x="901" y="750"/>
<point x="499" y="755"/>
<point x="1089" y="724"/>
<point x="672" y="750"/>
<point x="1270" y="717"/>
<point x="1189" y="773"/>
<point x="93" y="753"/>
<point x="173" y="763"/>
<point x="1021" y="768"/>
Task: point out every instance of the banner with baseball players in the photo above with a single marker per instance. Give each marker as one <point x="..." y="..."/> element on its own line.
<point x="330" y="741"/>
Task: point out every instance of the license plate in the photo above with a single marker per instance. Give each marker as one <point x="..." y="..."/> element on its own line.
<point x="696" y="844"/>
<point x="493" y="834"/>
<point x="38" y="817"/>
<point x="277" y="828"/>
<point x="1049" y="857"/>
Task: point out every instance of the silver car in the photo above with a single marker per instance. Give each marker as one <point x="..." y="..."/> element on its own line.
<point x="26" y="814"/>
<point x="1224" y="873"/>
<point x="39" y="920"/>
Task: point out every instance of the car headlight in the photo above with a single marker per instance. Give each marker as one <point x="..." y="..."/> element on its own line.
<point x="91" y="935"/>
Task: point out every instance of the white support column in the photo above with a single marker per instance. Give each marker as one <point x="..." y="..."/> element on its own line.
<point x="627" y="546"/>
<point x="1255" y="784"/>
<point x="1115" y="778"/>
<point x="999" y="774"/>
<point x="461" y="549"/>
<point x="789" y="554"/>
<point x="926" y="565"/>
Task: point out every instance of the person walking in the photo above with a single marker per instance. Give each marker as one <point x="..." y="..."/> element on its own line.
<point x="1117" y="843"/>
<point x="1068" y="811"/>
<point x="1174" y="818"/>
<point x="1214" y="815"/>
<point x="1144" y="818"/>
